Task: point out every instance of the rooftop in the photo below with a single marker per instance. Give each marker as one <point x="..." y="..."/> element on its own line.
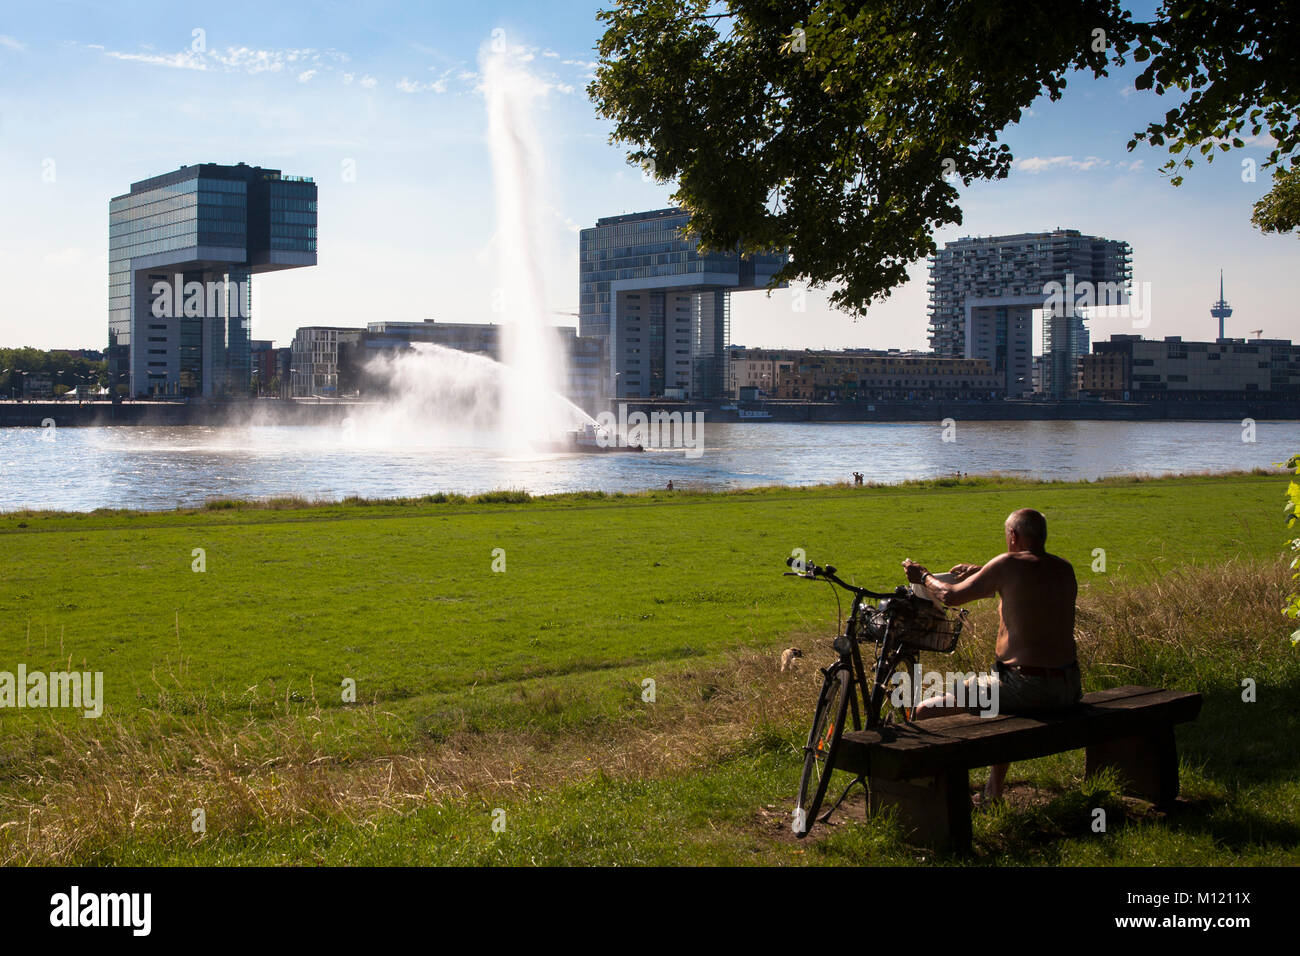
<point x="239" y="171"/>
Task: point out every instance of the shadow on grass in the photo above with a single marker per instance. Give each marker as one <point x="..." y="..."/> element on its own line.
<point x="1231" y="752"/>
<point x="1236" y="743"/>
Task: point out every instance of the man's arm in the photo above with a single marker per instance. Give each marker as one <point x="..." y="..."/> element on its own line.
<point x="981" y="584"/>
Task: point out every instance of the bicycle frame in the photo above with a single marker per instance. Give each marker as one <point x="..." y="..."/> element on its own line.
<point x="838" y="696"/>
<point x="848" y="645"/>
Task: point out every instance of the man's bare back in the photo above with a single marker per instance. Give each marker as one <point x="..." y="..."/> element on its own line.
<point x="1036" y="593"/>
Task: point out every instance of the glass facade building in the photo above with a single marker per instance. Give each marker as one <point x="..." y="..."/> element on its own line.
<point x="661" y="305"/>
<point x="183" y="248"/>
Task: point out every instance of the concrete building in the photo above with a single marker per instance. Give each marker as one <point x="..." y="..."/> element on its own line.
<point x="663" y="308"/>
<point x="861" y="375"/>
<point x="984" y="292"/>
<point x="314" y="372"/>
<point x="183" y="247"/>
<point x="758" y="371"/>
<point x="1129" y="367"/>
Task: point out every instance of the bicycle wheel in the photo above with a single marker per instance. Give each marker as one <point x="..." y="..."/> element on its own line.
<point x="819" y="753"/>
<point x="893" y="700"/>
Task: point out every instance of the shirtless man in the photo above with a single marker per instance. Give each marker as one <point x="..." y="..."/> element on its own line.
<point x="1037" y="668"/>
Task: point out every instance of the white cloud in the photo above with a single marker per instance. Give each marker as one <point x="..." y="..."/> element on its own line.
<point x="181" y="61"/>
<point x="411" y="86"/>
<point x="549" y="53"/>
<point x="368" y="81"/>
<point x="9" y="43"/>
<point x="582" y="63"/>
<point x="1264" y="139"/>
<point x="1039" y="164"/>
<point x="249" y="60"/>
<point x="347" y="79"/>
<point x="236" y="59"/>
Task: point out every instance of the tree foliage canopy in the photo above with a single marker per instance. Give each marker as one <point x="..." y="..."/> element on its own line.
<point x="839" y="129"/>
<point x="60" y="367"/>
<point x="1238" y="64"/>
<point x="1279" y="210"/>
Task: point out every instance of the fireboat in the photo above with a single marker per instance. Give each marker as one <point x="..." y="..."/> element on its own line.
<point x="588" y="439"/>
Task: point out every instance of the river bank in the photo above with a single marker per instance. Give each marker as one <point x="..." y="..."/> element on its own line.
<point x="308" y="412"/>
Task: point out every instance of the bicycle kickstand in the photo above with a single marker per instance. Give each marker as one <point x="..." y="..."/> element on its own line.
<point x="860" y="778"/>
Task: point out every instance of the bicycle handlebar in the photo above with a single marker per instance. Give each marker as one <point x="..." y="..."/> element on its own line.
<point x="812" y="572"/>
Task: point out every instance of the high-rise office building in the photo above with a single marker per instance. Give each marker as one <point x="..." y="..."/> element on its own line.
<point x="182" y="249"/>
<point x="663" y="308"/>
<point x="983" y="292"/>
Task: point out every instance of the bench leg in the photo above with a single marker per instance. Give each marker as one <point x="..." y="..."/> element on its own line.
<point x="1147" y="764"/>
<point x="936" y="809"/>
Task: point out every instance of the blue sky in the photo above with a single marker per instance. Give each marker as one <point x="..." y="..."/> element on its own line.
<point x="94" y="96"/>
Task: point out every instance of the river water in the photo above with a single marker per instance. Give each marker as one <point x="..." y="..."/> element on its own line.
<point x="79" y="469"/>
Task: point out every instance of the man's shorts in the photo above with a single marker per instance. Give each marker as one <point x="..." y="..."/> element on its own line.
<point x="1012" y="692"/>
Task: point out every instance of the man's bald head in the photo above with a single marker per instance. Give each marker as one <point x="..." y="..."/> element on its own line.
<point x="1030" y="529"/>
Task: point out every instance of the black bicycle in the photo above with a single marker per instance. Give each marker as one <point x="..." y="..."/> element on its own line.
<point x="898" y="626"/>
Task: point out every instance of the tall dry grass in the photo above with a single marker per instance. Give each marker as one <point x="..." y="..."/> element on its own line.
<point x="1197" y="627"/>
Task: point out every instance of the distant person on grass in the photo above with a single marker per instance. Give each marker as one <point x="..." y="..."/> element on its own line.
<point x="1037" y="665"/>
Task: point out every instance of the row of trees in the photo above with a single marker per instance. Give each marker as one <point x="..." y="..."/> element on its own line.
<point x="64" y="370"/>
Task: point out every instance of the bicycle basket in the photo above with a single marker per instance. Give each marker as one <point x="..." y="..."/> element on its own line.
<point x="918" y="624"/>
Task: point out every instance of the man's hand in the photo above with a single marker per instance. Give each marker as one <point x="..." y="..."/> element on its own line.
<point x="960" y="571"/>
<point x="915" y="572"/>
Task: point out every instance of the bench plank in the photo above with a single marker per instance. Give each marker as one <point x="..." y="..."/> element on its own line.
<point x="931" y="746"/>
<point x="942" y="725"/>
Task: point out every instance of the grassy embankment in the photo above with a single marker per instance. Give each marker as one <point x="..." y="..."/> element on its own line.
<point x="522" y="690"/>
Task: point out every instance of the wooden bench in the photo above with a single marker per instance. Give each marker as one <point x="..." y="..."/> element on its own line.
<point x="923" y="768"/>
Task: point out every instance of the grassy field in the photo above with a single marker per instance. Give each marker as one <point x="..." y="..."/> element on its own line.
<point x="520" y="689"/>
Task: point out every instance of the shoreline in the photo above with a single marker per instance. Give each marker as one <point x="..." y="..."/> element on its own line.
<point x="295" y="412"/>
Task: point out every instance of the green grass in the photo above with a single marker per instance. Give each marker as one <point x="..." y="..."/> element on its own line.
<point x="223" y="687"/>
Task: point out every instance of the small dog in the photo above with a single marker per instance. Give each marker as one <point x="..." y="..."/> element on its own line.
<point x="788" y="657"/>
